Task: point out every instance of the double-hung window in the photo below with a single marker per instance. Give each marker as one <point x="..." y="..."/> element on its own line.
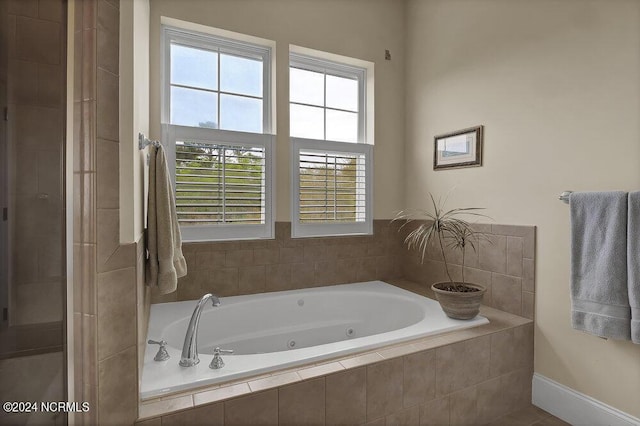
<point x="332" y="162"/>
<point x="217" y="134"/>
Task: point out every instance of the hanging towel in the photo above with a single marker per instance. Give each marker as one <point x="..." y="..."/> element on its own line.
<point x="165" y="262"/>
<point x="599" y="294"/>
<point x="633" y="263"/>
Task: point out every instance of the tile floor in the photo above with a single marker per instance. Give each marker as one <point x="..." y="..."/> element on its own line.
<point x="529" y="416"/>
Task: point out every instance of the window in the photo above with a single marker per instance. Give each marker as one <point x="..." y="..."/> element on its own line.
<point x="217" y="115"/>
<point x="332" y="163"/>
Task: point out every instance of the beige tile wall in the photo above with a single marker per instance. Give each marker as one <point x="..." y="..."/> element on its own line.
<point x="84" y="248"/>
<point x="107" y="273"/>
<point x="503" y="262"/>
<point x="244" y="267"/>
<point x="474" y="381"/>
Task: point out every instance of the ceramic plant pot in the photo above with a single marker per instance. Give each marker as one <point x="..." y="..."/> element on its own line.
<point x="456" y="304"/>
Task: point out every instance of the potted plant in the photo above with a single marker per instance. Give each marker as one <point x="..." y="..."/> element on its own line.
<point x="458" y="299"/>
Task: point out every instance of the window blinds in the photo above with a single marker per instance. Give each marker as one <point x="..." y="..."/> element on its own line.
<point x="331" y="186"/>
<point x="219" y="184"/>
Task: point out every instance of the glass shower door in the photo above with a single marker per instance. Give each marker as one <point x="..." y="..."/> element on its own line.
<point x="32" y="231"/>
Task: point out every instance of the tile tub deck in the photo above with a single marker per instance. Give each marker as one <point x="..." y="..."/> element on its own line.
<point x="503" y="348"/>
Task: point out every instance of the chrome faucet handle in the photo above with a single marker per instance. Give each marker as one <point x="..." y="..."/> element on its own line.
<point x="217" y="361"/>
<point x="162" y="354"/>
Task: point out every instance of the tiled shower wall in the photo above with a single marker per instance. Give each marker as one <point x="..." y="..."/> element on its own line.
<point x="36" y="102"/>
<point x="105" y="294"/>
<point x="32" y="72"/>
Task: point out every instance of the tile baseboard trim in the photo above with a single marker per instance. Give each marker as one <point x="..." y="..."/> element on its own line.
<point x="575" y="407"/>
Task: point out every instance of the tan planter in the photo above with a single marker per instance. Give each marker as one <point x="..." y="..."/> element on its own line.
<point x="459" y="305"/>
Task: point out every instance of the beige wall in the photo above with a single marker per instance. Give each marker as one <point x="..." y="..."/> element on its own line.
<point x="556" y="85"/>
<point x="357" y="28"/>
<point x="134" y="114"/>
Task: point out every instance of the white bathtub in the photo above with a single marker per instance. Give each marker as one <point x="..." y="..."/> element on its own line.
<point x="272" y="331"/>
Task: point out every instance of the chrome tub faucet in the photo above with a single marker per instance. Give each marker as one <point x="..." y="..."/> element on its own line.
<point x="189" y="356"/>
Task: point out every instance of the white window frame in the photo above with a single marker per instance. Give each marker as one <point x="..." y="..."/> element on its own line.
<point x="302" y="230"/>
<point x="172" y="133"/>
<point x="223" y="45"/>
<point x="310" y="63"/>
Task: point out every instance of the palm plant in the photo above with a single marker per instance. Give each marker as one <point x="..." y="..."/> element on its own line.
<point x="446" y="228"/>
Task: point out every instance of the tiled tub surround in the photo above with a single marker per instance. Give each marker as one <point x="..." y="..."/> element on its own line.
<point x="322" y="323"/>
<point x="469" y="387"/>
<point x="472" y="376"/>
<point x="503" y="262"/>
<point x="232" y="268"/>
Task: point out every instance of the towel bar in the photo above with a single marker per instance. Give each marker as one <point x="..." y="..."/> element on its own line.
<point x="143" y="142"/>
<point x="564" y="197"/>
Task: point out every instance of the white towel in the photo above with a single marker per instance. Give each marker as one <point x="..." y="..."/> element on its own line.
<point x="633" y="263"/>
<point x="599" y="291"/>
<point x="165" y="262"/>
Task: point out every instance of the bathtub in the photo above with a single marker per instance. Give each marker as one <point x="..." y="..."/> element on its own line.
<point x="273" y="331"/>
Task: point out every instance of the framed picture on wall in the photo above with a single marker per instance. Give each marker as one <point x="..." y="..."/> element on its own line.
<point x="462" y="148"/>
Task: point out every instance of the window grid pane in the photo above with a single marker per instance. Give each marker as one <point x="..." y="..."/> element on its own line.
<point x="240" y="113"/>
<point x="193" y="107"/>
<point x="338" y="102"/>
<point x="306" y="121"/>
<point x="242" y="78"/>
<point x="341" y="126"/>
<point x="306" y="87"/>
<point x="219" y="184"/>
<point x="194" y="67"/>
<point x="341" y="93"/>
<point x="240" y="75"/>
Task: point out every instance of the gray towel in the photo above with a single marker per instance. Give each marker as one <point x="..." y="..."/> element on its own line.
<point x="165" y="262"/>
<point x="600" y="298"/>
<point x="633" y="263"/>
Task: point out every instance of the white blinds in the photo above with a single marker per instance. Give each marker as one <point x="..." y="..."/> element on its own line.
<point x="331" y="186"/>
<point x="219" y="184"/>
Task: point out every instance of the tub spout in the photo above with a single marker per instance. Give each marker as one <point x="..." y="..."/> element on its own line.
<point x="189" y="356"/>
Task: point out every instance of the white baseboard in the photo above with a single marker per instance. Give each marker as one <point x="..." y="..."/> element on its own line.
<point x="576" y="408"/>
